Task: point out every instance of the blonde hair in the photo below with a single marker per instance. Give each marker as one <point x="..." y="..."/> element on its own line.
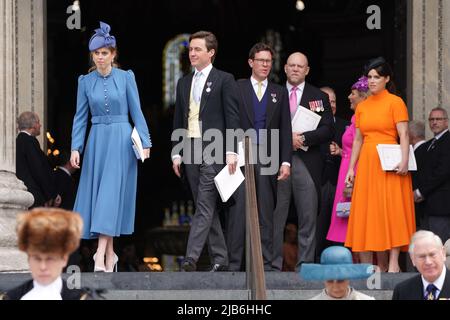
<point x="49" y="230"/>
<point x="363" y="94"/>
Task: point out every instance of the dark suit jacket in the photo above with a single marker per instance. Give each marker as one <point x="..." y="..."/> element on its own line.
<point x="66" y="294"/>
<point x="434" y="178"/>
<point x="218" y="107"/>
<point x="33" y="168"/>
<point x="66" y="188"/>
<point x="420" y="154"/>
<point x="412" y="289"/>
<point x="313" y="139"/>
<point x="332" y="163"/>
<point x="277" y="115"/>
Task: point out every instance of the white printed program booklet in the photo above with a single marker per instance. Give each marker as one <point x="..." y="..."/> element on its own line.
<point x="137" y="145"/>
<point x="391" y="155"/>
<point x="241" y="154"/>
<point x="227" y="183"/>
<point x="305" y="120"/>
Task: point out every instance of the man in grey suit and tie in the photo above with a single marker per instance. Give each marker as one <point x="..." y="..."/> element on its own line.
<point x="304" y="183"/>
<point x="206" y="101"/>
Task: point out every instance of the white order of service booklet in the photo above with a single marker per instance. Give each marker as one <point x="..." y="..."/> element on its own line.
<point x="137" y="145"/>
<point x="305" y="120"/>
<point x="227" y="183"/>
<point x="391" y="155"/>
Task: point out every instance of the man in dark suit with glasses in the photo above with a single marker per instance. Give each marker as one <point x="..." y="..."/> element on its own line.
<point x="433" y="183"/>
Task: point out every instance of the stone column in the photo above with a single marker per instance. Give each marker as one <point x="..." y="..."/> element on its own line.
<point x="13" y="195"/>
<point x="429" y="61"/>
<point x="31" y="66"/>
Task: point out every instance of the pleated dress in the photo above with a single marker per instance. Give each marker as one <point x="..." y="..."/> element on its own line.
<point x="106" y="197"/>
<point x="338" y="226"/>
<point x="382" y="209"/>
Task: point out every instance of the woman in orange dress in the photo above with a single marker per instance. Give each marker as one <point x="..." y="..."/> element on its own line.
<point x="382" y="210"/>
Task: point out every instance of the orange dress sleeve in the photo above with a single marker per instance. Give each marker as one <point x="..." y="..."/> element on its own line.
<point x="399" y="110"/>
<point x="357" y="116"/>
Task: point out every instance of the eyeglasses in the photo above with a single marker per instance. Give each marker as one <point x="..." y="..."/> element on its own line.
<point x="263" y="61"/>
<point x="436" y="119"/>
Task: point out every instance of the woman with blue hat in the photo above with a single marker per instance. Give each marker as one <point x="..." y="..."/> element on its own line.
<point x="107" y="191"/>
<point x="336" y="268"/>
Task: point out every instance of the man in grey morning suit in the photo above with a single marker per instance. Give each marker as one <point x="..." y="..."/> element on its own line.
<point x="304" y="182"/>
<point x="206" y="99"/>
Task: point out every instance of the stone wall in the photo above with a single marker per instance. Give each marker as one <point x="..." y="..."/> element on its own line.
<point x="429" y="57"/>
<point x="22" y="87"/>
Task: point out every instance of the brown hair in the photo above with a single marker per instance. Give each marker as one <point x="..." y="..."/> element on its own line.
<point x="114" y="64"/>
<point x="49" y="230"/>
<point x="210" y="41"/>
<point x="258" y="48"/>
<point x="384" y="69"/>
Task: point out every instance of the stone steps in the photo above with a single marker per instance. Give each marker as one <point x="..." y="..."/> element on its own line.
<point x="225" y="294"/>
<point x="208" y="285"/>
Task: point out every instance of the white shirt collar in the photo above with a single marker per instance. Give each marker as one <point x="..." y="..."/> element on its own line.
<point x="439" y="283"/>
<point x="65" y="170"/>
<point x="418" y="144"/>
<point x="255" y="82"/>
<point x="26" y="132"/>
<point x="48" y="292"/>
<point x="300" y="87"/>
<point x="205" y="71"/>
<point x="264" y="85"/>
<point x="437" y="137"/>
<point x="299" y="91"/>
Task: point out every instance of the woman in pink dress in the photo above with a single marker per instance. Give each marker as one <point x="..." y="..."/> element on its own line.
<point x="338" y="226"/>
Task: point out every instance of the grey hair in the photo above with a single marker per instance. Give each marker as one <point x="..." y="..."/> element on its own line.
<point x="27" y="120"/>
<point x="424" y="234"/>
<point x="441" y="110"/>
<point x="417" y="129"/>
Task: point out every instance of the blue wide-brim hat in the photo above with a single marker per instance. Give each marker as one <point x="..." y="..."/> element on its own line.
<point x="101" y="38"/>
<point x="335" y="264"/>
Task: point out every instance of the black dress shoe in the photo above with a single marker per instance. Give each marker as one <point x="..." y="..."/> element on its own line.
<point x="218" y="267"/>
<point x="189" y="265"/>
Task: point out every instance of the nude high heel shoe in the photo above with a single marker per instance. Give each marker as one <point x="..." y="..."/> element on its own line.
<point x="114" y="267"/>
<point x="98" y="269"/>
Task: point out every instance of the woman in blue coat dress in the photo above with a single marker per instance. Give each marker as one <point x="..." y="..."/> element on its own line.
<point x="107" y="191"/>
